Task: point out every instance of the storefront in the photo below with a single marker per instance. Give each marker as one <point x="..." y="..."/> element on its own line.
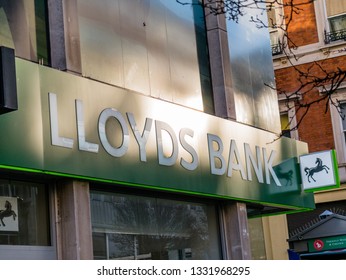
<point x="123" y="152"/>
<point x="128" y="143"/>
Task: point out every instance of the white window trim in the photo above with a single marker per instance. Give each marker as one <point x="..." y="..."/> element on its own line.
<point x="339" y="136"/>
<point x="25" y="252"/>
<point x="321" y="19"/>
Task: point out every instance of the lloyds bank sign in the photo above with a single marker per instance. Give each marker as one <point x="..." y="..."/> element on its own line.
<point x="247" y="160"/>
<point x="70" y="126"/>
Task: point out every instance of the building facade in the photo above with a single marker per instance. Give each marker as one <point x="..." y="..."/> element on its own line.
<point x="139" y="130"/>
<point x="317" y="40"/>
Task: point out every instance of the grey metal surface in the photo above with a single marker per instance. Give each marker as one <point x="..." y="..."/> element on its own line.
<point x="154" y="47"/>
<point x="56" y="34"/>
<point x="252" y="73"/>
<point x="17" y="29"/>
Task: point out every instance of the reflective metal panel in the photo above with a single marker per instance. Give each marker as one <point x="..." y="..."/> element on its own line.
<point x="252" y="72"/>
<point x="158" y="53"/>
<point x="133" y="16"/>
<point x="154" y="47"/>
<point x="17" y="27"/>
<point x="183" y="55"/>
<point x="101" y="46"/>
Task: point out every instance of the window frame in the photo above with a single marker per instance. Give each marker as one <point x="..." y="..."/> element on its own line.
<point x="276" y="33"/>
<point x="149" y="194"/>
<point x="338" y="132"/>
<point x="287" y="106"/>
<point x="322" y="22"/>
<point x="29" y="252"/>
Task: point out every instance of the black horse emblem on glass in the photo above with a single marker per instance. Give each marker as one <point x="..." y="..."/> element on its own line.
<point x="288" y="176"/>
<point x="309" y="172"/>
<point x="8" y="212"/>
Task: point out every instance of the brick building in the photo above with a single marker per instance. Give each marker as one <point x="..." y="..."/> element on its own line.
<point x="317" y="36"/>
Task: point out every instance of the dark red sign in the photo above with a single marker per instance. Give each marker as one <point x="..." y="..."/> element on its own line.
<point x="318" y="244"/>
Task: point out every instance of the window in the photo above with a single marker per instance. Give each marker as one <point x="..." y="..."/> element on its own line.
<point x="285" y="125"/>
<point x="343" y="119"/>
<point x="342" y="122"/>
<point x="337" y="23"/>
<point x="24" y="214"/>
<point x="288" y="116"/>
<point x="275" y="20"/>
<point x="339" y="126"/>
<point x="137" y="227"/>
<point x="336" y="16"/>
<point x="23" y="27"/>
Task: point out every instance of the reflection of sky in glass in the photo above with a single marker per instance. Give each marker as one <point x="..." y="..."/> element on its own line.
<point x="245" y="32"/>
<point x="180" y="10"/>
<point x="188" y="10"/>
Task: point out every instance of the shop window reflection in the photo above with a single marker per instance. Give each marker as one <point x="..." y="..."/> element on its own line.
<point x="131" y="227"/>
<point x="30" y="224"/>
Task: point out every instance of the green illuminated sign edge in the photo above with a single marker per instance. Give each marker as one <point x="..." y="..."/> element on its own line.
<point x="288" y="208"/>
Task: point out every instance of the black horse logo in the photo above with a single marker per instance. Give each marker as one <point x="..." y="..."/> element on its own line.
<point x="8" y="212"/>
<point x="309" y="172"/>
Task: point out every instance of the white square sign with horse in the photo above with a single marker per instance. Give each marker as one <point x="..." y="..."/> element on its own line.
<point x="318" y="170"/>
<point x="8" y="213"/>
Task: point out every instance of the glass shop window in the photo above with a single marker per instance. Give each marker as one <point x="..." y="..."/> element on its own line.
<point x="23" y="27"/>
<point x="24" y="214"/>
<point x="137" y="227"/>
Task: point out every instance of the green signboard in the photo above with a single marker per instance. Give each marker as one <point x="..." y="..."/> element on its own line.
<point x="327" y="243"/>
<point x="68" y="125"/>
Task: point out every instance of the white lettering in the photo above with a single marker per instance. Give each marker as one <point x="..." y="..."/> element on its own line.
<point x="141" y="139"/>
<point x="54" y="124"/>
<point x="104" y="116"/>
<point x="268" y="168"/>
<point x="216" y="154"/>
<point x="251" y="161"/>
<point x="172" y="158"/>
<point x="234" y="162"/>
<point x="247" y="162"/>
<point x="82" y="143"/>
<point x="194" y="162"/>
